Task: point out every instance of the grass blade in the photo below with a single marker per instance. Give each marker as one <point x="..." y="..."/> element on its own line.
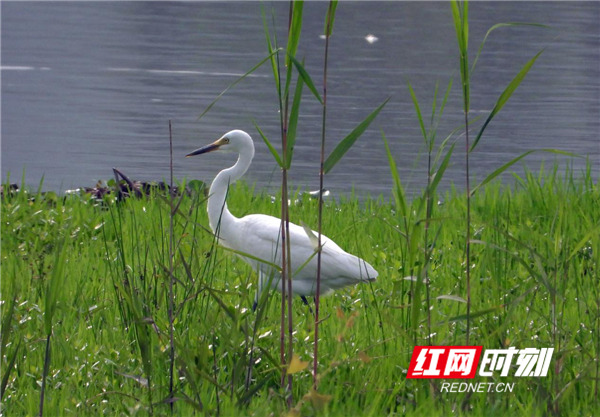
<point x="506" y="94"/>
<point x="398" y="189"/>
<point x="12" y="359"/>
<point x="418" y="110"/>
<point x="445" y="100"/>
<point x="306" y="77"/>
<point x="271" y="148"/>
<point x="442" y="146"/>
<point x="45" y="374"/>
<point x="233" y="84"/>
<point x="451" y="298"/>
<point x="349" y="140"/>
<point x="295" y="29"/>
<point x="330" y="18"/>
<point x="55" y="286"/>
<point x="461" y="25"/>
<point x="514" y="161"/>
<point x="439" y="174"/>
<point x="254" y="258"/>
<point x="7" y="316"/>
<point x="584" y="241"/>
<point x="272" y="55"/>
<point x="293" y="122"/>
<point x="476" y="314"/>
<point x="4" y="338"/>
<point x="496" y="26"/>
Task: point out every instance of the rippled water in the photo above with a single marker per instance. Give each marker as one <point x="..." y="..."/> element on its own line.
<point x="89" y="86"/>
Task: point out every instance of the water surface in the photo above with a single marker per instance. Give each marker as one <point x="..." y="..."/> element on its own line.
<point x="88" y="86"/>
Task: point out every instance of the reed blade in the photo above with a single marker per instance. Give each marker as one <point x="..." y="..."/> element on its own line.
<point x="506" y="94"/>
<point x="346" y="143"/>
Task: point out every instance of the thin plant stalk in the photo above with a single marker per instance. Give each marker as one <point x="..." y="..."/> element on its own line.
<point x="435" y="172"/>
<point x="596" y="390"/>
<point x="321" y="179"/>
<point x="283" y="269"/>
<point x="460" y="12"/>
<point x="45" y="374"/>
<point x="286" y="273"/>
<point x="277" y="74"/>
<point x="218" y="400"/>
<point x="171" y="294"/>
<point x="286" y="279"/>
<point x="286" y="262"/>
<point x="55" y="285"/>
<point x="286" y="295"/>
<point x="289" y="293"/>
<point x="468" y="243"/>
<point x="428" y="213"/>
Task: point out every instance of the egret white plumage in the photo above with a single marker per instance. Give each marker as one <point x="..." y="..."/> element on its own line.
<point x="259" y="235"/>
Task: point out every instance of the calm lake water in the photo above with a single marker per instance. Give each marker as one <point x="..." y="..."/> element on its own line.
<point x="91" y="86"/>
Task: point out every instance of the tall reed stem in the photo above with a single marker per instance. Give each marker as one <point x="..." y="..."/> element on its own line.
<point x="596" y="390"/>
<point x="428" y="213"/>
<point x="285" y="266"/>
<point x="461" y="19"/>
<point x="282" y="125"/>
<point x="283" y="255"/>
<point x="285" y="243"/>
<point x="45" y="374"/>
<point x="468" y="248"/>
<point x="321" y="180"/>
<point x="171" y="294"/>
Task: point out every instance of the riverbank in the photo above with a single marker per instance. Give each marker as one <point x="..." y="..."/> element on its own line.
<point x="96" y="273"/>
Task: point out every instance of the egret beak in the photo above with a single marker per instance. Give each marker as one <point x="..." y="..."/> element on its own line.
<point x="208" y="148"/>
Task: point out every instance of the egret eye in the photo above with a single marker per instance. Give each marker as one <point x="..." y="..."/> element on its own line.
<point x="226" y="140"/>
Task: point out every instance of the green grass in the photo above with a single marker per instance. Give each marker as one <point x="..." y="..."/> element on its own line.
<point x="535" y="283"/>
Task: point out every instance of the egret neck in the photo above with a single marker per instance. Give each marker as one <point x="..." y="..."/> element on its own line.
<point x="218" y="213"/>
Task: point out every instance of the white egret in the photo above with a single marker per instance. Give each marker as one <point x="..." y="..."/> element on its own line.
<point x="259" y="235"/>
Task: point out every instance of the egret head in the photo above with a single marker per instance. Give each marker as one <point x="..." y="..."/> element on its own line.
<point x="236" y="141"/>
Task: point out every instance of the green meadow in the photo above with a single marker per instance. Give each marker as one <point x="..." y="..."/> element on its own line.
<point x="92" y="278"/>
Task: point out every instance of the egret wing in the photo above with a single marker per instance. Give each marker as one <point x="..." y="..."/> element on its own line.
<point x="260" y="236"/>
